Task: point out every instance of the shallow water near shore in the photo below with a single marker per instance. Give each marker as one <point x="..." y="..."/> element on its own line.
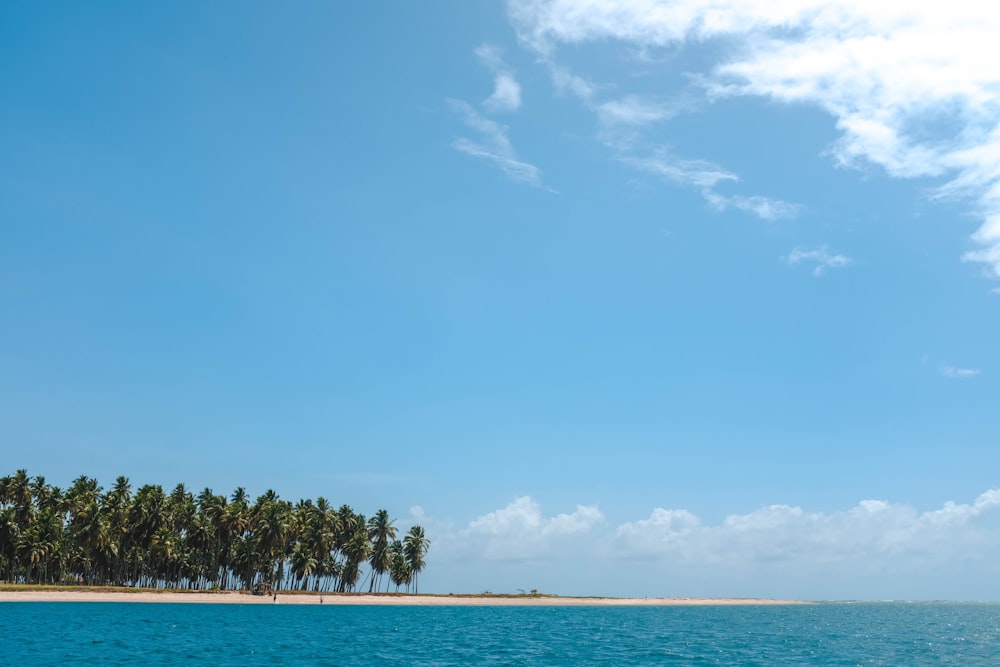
<point x="45" y="633"/>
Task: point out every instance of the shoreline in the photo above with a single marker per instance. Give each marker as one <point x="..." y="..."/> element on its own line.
<point x="383" y="599"/>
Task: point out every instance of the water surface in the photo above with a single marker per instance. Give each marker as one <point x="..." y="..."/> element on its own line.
<point x="105" y="633"/>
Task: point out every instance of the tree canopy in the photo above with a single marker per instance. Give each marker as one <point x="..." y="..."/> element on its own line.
<point x="152" y="538"/>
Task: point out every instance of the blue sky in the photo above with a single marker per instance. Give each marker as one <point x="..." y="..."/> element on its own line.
<point x="637" y="298"/>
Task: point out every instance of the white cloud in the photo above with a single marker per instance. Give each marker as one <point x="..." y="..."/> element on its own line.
<point x="519" y="531"/>
<point x="492" y="145"/>
<point x="506" y="90"/>
<point x="874" y="549"/>
<point x="523" y="516"/>
<point x="697" y="173"/>
<point x="622" y="122"/>
<point x="821" y="257"/>
<point x="706" y="176"/>
<point x="566" y="81"/>
<point x="491" y="56"/>
<point x="633" y="110"/>
<point x="763" y="207"/>
<point x="959" y="373"/>
<point x="623" y="119"/>
<point x="506" y="94"/>
<point x="874" y="531"/>
<point x="909" y="83"/>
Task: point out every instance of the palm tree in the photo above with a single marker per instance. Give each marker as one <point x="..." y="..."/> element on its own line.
<point x="322" y="536"/>
<point x="234" y="525"/>
<point x="118" y="506"/>
<point x="356" y="551"/>
<point x="399" y="572"/>
<point x="88" y="534"/>
<point x="181" y="515"/>
<point x="304" y="564"/>
<point x="380" y="532"/>
<point x="208" y="537"/>
<point x="179" y="540"/>
<point x="415" y="546"/>
<point x="271" y="533"/>
<point x="347" y="525"/>
<point x="15" y="491"/>
<point x="10" y="537"/>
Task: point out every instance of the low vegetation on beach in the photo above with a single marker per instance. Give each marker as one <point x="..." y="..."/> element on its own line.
<point x="86" y="536"/>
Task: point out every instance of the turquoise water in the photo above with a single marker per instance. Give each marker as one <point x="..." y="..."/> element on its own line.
<point x="173" y="634"/>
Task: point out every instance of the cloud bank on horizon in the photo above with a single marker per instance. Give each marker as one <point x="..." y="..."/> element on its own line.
<point x="906" y="82"/>
<point x="874" y="538"/>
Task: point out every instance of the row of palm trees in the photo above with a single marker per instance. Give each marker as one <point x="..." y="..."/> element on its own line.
<point x="155" y="539"/>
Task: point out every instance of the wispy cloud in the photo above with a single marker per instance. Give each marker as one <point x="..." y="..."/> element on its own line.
<point x="907" y="83"/>
<point x="624" y="122"/>
<point x="492" y="145"/>
<point x="566" y="81"/>
<point x="706" y="176"/>
<point x="821" y="257"/>
<point x="763" y="207"/>
<point x="634" y="110"/>
<point x="959" y="373"/>
<point x="698" y="173"/>
<point x="506" y="90"/>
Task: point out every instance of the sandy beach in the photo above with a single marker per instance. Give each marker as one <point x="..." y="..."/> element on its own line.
<point x="383" y="599"/>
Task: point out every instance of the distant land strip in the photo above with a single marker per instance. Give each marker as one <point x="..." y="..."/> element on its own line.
<point x="90" y="594"/>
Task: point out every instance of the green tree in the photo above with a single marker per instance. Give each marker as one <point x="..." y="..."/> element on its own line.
<point x="380" y="532"/>
<point x="399" y="572"/>
<point x="415" y="546"/>
<point x="178" y="540"/>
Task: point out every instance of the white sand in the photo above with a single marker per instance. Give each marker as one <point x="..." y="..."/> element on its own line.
<point x="384" y="599"/>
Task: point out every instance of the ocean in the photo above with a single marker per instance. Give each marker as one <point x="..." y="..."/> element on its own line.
<point x="105" y="633"/>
